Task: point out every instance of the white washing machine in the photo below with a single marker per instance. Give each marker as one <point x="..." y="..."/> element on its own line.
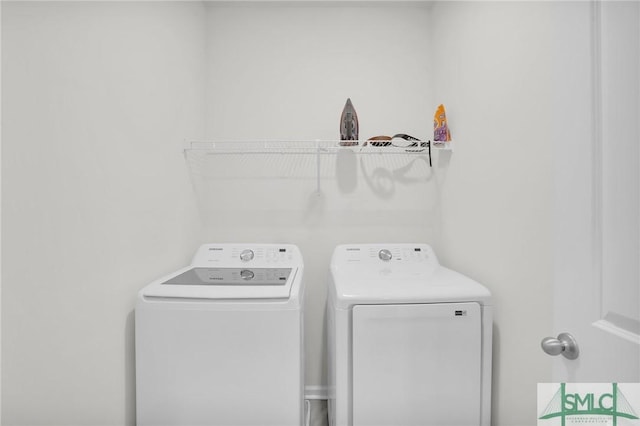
<point x="409" y="341"/>
<point x="220" y="342"/>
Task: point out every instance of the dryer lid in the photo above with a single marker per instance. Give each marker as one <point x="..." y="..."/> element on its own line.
<point x="397" y="273"/>
<point x="352" y="286"/>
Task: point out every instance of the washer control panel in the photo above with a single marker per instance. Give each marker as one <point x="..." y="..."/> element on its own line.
<point x="248" y="255"/>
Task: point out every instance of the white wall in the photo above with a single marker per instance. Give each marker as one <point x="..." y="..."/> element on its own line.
<point x="97" y="98"/>
<point x="285" y="70"/>
<point x="494" y="76"/>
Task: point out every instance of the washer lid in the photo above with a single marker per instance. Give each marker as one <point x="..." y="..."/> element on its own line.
<point x="224" y="283"/>
<point x="231" y="277"/>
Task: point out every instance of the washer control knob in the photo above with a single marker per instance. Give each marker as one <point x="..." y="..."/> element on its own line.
<point x="385" y="255"/>
<point x="246" y="274"/>
<point x="246" y="255"/>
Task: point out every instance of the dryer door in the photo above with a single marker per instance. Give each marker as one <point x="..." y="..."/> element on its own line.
<point x="417" y="364"/>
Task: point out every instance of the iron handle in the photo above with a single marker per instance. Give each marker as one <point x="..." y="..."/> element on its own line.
<point x="565" y="344"/>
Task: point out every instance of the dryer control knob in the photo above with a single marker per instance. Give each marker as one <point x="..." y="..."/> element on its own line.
<point x="385" y="255"/>
<point x="246" y="274"/>
<point x="246" y="255"/>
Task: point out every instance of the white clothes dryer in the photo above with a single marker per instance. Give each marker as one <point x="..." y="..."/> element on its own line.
<point x="220" y="342"/>
<point x="409" y="341"/>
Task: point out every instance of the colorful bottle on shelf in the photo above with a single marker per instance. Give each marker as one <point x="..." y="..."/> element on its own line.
<point x="441" y="133"/>
<point x="349" y="125"/>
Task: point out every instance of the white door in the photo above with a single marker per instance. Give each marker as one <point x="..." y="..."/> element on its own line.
<point x="417" y="365"/>
<point x="597" y="192"/>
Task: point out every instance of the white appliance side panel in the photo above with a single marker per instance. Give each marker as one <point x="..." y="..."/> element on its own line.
<point x="417" y="364"/>
<point x="204" y="367"/>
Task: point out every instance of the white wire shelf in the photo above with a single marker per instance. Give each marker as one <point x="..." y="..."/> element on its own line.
<point x="306" y="147"/>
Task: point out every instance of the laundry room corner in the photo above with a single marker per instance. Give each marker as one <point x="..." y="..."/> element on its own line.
<point x="134" y="133"/>
<point x="315" y="197"/>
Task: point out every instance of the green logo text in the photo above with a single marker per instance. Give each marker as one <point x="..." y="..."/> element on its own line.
<point x="613" y="404"/>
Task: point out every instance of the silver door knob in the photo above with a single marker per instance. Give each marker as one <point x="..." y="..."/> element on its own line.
<point x="565" y="344"/>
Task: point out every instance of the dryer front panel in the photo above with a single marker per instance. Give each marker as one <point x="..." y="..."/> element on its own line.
<point x="417" y="364"/>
